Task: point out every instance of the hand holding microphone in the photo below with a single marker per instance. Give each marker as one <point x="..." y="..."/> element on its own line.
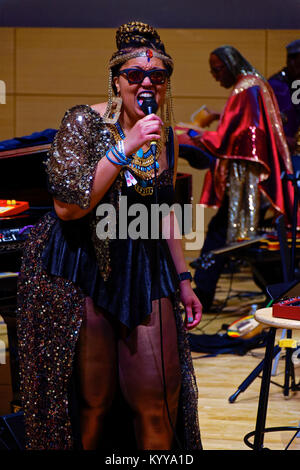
<point x="145" y="130"/>
<point x="149" y="106"/>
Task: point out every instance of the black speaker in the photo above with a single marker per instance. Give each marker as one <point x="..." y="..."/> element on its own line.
<point x="12" y="432"/>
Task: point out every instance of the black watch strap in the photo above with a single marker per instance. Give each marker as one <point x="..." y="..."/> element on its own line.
<point x="184" y="276"/>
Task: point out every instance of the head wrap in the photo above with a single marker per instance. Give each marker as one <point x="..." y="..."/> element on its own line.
<point x="293" y="47"/>
<point x="133" y="39"/>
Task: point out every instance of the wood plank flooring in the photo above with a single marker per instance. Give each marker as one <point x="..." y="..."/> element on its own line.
<point x="223" y="424"/>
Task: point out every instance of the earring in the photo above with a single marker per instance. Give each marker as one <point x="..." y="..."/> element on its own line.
<point x="170" y="118"/>
<point x="114" y="110"/>
<point x="114" y="104"/>
<point x="167" y="113"/>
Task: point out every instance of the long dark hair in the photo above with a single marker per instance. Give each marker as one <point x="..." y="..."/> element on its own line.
<point x="235" y="61"/>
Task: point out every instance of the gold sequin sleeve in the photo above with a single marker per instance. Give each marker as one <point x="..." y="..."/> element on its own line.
<point x="80" y="142"/>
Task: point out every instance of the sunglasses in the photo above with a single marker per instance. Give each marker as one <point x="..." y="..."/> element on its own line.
<point x="157" y="76"/>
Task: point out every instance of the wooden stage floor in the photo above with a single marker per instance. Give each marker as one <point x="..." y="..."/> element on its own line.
<point x="223" y="424"/>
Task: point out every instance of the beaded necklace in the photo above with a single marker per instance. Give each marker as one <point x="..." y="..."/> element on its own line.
<point x="142" y="164"/>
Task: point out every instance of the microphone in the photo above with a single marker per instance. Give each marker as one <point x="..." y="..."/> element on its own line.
<point x="149" y="106"/>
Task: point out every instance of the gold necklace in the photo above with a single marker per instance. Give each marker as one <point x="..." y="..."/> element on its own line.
<point x="143" y="163"/>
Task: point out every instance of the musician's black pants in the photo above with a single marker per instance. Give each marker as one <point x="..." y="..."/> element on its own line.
<point x="206" y="279"/>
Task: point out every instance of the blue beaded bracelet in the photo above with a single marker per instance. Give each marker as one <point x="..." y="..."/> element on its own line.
<point x="121" y="158"/>
<point x="112" y="161"/>
<point x="119" y="148"/>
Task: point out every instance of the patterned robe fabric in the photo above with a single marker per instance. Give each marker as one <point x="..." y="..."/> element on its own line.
<point x="249" y="140"/>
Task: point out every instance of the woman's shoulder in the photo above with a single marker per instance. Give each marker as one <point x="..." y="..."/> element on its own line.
<point x="85" y="112"/>
<point x="100" y="108"/>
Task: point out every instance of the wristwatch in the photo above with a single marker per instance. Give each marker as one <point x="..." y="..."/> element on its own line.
<point x="184" y="276"/>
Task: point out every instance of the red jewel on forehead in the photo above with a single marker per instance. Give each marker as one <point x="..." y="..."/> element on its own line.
<point x="149" y="54"/>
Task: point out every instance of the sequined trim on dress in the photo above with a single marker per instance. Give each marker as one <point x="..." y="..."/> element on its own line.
<point x="49" y="316"/>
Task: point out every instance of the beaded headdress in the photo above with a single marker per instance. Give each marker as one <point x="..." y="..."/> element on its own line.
<point x="137" y="39"/>
<point x="123" y="56"/>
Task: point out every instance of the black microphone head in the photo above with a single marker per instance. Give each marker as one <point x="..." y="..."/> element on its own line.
<point x="149" y="105"/>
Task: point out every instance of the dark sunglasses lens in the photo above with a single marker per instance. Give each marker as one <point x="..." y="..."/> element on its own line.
<point x="158" y="76"/>
<point x="135" y="76"/>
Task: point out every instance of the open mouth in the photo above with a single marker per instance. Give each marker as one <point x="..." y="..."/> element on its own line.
<point x="144" y="95"/>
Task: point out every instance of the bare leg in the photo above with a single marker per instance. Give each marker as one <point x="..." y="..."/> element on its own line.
<point x="97" y="371"/>
<point x="141" y="378"/>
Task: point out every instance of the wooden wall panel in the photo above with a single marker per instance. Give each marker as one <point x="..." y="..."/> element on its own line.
<point x="50" y="69"/>
<point x="7" y="118"/>
<point x="63" y="61"/>
<point x="74" y="61"/>
<point x="190" y="49"/>
<point x="7" y="62"/>
<point x="36" y="113"/>
<point x="277" y="41"/>
<point x="7" y="84"/>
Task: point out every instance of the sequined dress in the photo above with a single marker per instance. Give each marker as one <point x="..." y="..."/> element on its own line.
<point x="63" y="262"/>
